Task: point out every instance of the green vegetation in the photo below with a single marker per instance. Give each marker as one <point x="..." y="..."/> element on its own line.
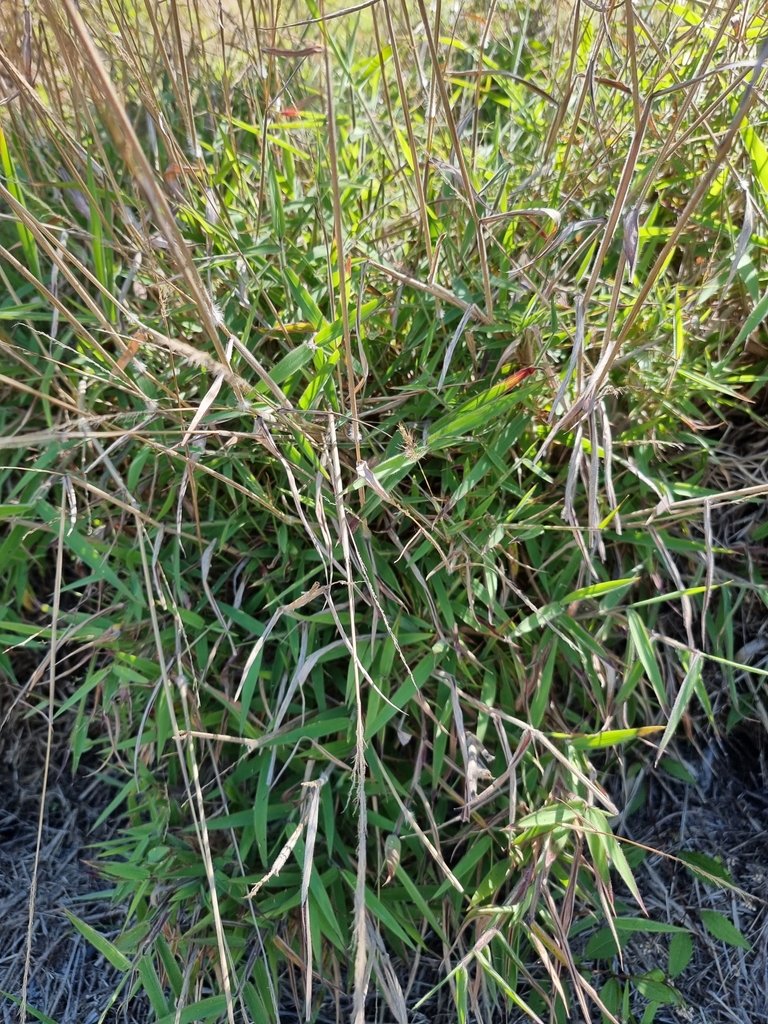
<point x="376" y="482"/>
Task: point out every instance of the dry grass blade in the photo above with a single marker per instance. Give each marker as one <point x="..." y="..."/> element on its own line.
<point x="338" y="232"/>
<point x="361" y="970"/>
<point x="280" y="860"/>
<point x="315" y="591"/>
<point x="196" y="797"/>
<point x="468" y="189"/>
<point x="52" y="662"/>
<point x="432" y="289"/>
<point x="434" y="853"/>
<point x="577" y="355"/>
<point x="387" y="976"/>
<point x="405" y="107"/>
<point x="745" y="236"/>
<point x="124" y="137"/>
<point x="610" y="352"/>
<point x="675" y="574"/>
<point x="600" y="795"/>
<point x="452" y="347"/>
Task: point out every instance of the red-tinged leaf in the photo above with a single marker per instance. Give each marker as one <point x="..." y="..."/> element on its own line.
<point x="518" y="377"/>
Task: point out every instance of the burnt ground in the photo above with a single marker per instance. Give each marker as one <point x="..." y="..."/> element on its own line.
<point x="723" y="815"/>
<point x="69" y="980"/>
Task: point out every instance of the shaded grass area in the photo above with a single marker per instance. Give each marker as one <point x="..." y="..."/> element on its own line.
<point x="381" y="396"/>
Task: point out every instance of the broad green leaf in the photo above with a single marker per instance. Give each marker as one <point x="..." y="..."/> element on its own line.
<point x="655" y="990"/>
<point x="719" y="927"/>
<point x="680" y="953"/>
<point x="602" y="945"/>
<point x="610" y="994"/>
<point x="706" y="868"/>
<point x="677" y="770"/>
<point x="548" y="817"/>
<point x="493" y="881"/>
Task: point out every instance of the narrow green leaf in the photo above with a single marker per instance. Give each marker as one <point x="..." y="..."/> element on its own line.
<point x="104" y="946"/>
<point x="681" y="702"/>
<point x="205" y="1009"/>
<point x="152" y="986"/>
<point x="649" y="1014"/>
<point x="640" y="924"/>
<point x="753" y="321"/>
<point x="609" y="738"/>
<point x="95" y="557"/>
<point x="657" y="991"/>
<point x="475" y="853"/>
<point x="646" y="655"/>
<point x="411" y="888"/>
<point x="304" y="300"/>
<point x="461" y="994"/>
<point x="759" y="154"/>
<point x="254" y="1000"/>
<point x="599" y="589"/>
<point x="170" y="966"/>
<point x="37" y="1014"/>
<point x="597" y="842"/>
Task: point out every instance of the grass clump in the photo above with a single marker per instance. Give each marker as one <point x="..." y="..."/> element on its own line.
<point x="376" y="396"/>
